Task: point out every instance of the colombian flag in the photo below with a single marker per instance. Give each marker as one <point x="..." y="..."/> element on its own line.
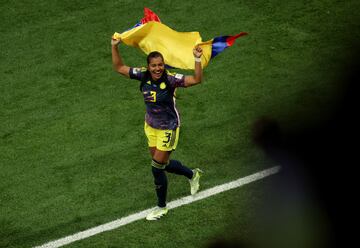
<point x="149" y="34"/>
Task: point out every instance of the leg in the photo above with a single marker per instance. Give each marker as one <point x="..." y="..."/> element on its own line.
<point x="178" y="168"/>
<point x="161" y="157"/>
<point x="158" y="164"/>
<point x="172" y="166"/>
<point x="160" y="181"/>
<point x="168" y="140"/>
<point x="152" y="151"/>
<point x="161" y="162"/>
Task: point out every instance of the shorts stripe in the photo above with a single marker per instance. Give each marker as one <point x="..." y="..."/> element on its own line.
<point x="173" y="138"/>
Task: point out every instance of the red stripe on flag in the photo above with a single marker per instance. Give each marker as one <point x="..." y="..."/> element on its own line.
<point x="149" y="16"/>
<point x="231" y="39"/>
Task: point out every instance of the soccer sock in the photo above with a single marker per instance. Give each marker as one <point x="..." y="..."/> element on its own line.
<point x="160" y="181"/>
<point x="176" y="167"/>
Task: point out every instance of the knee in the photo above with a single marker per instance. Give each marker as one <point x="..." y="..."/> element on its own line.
<point x="158" y="165"/>
<point x="161" y="156"/>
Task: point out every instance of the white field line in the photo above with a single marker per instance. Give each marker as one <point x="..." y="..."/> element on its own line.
<point x="174" y="204"/>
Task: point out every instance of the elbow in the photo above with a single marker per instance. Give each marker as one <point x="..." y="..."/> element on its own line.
<point x="120" y="69"/>
<point x="196" y="82"/>
<point x="193" y="80"/>
<point x="199" y="78"/>
<point x="117" y="68"/>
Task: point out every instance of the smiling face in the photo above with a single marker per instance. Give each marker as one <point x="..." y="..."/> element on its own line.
<point x="156" y="67"/>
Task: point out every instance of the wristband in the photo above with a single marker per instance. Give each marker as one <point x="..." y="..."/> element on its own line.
<point x="197" y="59"/>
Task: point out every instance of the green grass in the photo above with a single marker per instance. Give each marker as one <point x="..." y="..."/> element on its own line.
<point x="188" y="226"/>
<point x="72" y="150"/>
<point x="234" y="215"/>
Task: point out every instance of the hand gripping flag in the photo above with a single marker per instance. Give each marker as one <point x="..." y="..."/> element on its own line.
<point x="151" y="35"/>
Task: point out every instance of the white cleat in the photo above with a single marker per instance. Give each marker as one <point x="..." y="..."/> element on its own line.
<point x="157" y="213"/>
<point x="194" y="181"/>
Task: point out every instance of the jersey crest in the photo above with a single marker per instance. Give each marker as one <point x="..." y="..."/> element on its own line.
<point x="163" y="85"/>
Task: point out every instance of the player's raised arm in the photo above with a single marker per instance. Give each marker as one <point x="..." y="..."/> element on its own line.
<point x="198" y="72"/>
<point x="118" y="64"/>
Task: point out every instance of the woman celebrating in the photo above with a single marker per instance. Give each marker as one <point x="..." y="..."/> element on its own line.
<point x="162" y="119"/>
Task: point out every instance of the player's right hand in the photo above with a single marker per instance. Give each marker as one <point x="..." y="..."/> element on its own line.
<point x="115" y="42"/>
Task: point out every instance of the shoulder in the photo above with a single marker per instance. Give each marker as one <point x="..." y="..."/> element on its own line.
<point x="174" y="74"/>
<point x="137" y="72"/>
<point x="175" y="78"/>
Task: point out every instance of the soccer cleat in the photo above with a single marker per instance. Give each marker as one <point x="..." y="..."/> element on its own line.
<point x="157" y="213"/>
<point x="194" y="181"/>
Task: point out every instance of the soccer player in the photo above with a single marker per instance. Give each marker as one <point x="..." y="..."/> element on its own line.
<point x="162" y="118"/>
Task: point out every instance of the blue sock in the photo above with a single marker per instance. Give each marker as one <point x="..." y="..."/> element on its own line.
<point x="176" y="167"/>
<point x="160" y="181"/>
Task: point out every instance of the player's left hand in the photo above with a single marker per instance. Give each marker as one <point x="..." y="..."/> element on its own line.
<point x="197" y="51"/>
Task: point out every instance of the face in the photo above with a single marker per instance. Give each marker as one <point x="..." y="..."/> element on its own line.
<point x="156" y="67"/>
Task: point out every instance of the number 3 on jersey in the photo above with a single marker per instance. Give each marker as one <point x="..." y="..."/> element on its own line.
<point x="150" y="96"/>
